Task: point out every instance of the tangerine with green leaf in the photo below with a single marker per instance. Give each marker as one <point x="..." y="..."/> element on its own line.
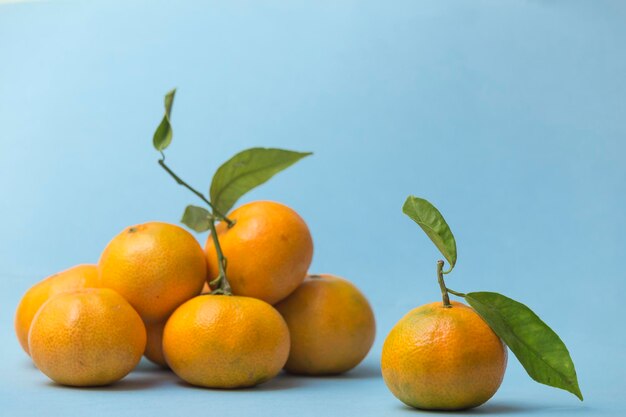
<point x="443" y="358"/>
<point x="449" y="356"/>
<point x="221" y="340"/>
<point x="266" y="246"/>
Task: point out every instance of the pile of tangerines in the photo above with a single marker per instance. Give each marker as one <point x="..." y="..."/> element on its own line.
<point x="238" y="311"/>
<point x="149" y="295"/>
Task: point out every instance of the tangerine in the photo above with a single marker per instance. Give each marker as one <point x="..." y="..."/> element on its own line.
<point x="222" y="341"/>
<point x="269" y="250"/>
<point x="77" y="277"/>
<point x="87" y="337"/>
<point x="331" y="325"/>
<point x="443" y="358"/>
<point x="155" y="266"/>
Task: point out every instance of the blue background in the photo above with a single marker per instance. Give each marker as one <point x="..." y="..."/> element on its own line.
<point x="510" y="116"/>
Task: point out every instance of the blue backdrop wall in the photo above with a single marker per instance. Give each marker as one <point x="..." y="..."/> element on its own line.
<point x="508" y="116"/>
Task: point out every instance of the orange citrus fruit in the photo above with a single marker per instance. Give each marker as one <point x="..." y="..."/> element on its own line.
<point x="440" y="358"/>
<point x="331" y="325"/>
<point x="88" y="337"/>
<point x="154" y="343"/>
<point x="155" y="266"/>
<point x="269" y="250"/>
<point x="222" y="341"/>
<point x="77" y="277"/>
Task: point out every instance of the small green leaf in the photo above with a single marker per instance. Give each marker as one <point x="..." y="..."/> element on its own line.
<point x="247" y="170"/>
<point x="196" y="218"/>
<point x="538" y="348"/>
<point x="163" y="134"/>
<point x="432" y="222"/>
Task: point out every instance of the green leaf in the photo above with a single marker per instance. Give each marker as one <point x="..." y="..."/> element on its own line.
<point x="247" y="170"/>
<point x="196" y="218"/>
<point x="432" y="222"/>
<point x="163" y="134"/>
<point x="539" y="349"/>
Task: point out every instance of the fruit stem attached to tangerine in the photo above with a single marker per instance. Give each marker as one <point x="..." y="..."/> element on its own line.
<point x="220" y="284"/>
<point x="442" y="285"/>
<point x="193" y="190"/>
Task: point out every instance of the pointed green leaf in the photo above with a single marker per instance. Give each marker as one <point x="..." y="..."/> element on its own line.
<point x="538" y="348"/>
<point x="247" y="170"/>
<point x="432" y="222"/>
<point x="196" y="218"/>
<point x="163" y="134"/>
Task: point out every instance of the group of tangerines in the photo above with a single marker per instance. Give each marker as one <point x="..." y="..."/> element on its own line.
<point x="149" y="295"/>
<point x="238" y="311"/>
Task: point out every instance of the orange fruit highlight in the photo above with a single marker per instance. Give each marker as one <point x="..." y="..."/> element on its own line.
<point x="155" y="266"/>
<point x="439" y="358"/>
<point x="222" y="341"/>
<point x="331" y="325"/>
<point x="77" y="277"/>
<point x="269" y="250"/>
<point x="86" y="338"/>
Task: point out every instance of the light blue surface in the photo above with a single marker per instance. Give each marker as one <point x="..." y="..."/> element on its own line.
<point x="510" y="116"/>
